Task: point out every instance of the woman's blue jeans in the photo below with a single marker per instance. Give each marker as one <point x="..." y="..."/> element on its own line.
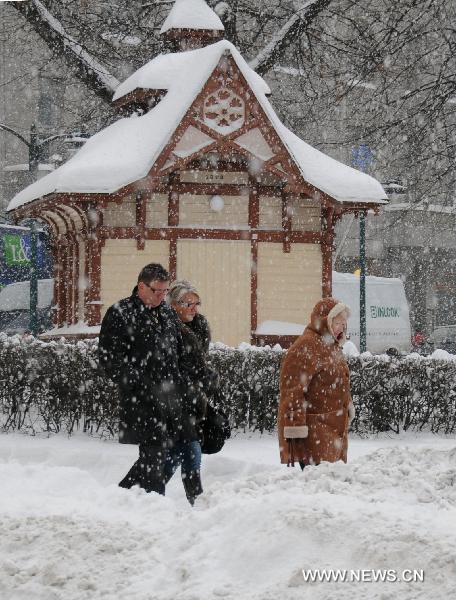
<point x="186" y="454"/>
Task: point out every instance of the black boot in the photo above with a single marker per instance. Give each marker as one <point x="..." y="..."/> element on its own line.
<point x="148" y="470"/>
<point x="192" y="486"/>
<point x="131" y="478"/>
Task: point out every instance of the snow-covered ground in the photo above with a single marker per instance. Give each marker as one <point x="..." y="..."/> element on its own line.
<point x="68" y="532"/>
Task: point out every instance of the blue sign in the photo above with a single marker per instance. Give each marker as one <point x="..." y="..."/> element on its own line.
<point x="362" y="157"/>
<point x="15" y="255"/>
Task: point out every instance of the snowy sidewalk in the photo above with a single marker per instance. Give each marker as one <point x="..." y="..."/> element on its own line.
<point x="69" y="533"/>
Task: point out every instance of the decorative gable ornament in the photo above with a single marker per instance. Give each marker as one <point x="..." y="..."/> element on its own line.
<point x="224" y="110"/>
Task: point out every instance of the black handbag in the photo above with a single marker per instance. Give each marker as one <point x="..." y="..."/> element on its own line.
<point x="215" y="430"/>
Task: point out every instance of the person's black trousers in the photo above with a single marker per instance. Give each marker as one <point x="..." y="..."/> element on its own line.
<point x="148" y="470"/>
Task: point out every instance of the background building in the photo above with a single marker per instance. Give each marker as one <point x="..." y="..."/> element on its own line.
<point x="346" y="77"/>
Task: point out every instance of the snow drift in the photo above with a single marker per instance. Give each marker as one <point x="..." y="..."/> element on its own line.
<point x="68" y="532"/>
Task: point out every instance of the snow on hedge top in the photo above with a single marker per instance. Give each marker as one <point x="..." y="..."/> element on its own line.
<point x="125" y="151"/>
<point x="192" y="14"/>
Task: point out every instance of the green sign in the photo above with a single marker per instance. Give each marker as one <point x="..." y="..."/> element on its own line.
<point x="378" y="312"/>
<point x="16" y="250"/>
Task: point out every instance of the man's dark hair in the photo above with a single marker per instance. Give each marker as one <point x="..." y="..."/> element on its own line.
<point x="153" y="272"/>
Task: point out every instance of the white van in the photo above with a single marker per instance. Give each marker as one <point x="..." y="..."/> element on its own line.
<point x="16" y="296"/>
<point x="387" y="311"/>
<point x="15" y="306"/>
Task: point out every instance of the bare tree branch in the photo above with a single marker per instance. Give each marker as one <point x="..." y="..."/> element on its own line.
<point x="52" y="138"/>
<point x="86" y="67"/>
<point x="287" y="34"/>
<point x="4" y="127"/>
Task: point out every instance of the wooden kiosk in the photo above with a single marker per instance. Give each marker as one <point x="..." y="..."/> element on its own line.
<point x="200" y="175"/>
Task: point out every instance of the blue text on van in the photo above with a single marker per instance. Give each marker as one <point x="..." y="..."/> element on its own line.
<point x="384" y="311"/>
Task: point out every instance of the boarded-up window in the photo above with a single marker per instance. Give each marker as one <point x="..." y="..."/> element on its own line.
<point x="121" y="263"/>
<point x="120" y="215"/>
<point x="270" y="212"/>
<point x="289" y="284"/>
<point x="305" y="214"/>
<point x="157" y="211"/>
<point x="196" y="211"/>
<point x="220" y="269"/>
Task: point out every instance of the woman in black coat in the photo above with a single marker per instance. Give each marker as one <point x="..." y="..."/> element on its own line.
<point x="185" y="300"/>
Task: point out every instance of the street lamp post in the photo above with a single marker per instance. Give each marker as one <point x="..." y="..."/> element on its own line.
<point x="362" y="282"/>
<point x="33" y="280"/>
<point x="362" y="158"/>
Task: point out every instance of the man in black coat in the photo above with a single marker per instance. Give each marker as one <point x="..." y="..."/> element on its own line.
<point x="140" y="349"/>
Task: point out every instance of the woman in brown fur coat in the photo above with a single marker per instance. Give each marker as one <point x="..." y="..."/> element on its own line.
<point x="315" y="407"/>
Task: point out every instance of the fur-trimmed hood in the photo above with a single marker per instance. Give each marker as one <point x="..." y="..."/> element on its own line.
<point x="323" y="315"/>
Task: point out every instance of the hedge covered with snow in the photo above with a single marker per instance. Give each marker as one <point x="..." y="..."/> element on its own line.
<point x="57" y="386"/>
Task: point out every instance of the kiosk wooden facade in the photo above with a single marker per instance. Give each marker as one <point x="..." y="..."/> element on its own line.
<point x="199" y="175"/>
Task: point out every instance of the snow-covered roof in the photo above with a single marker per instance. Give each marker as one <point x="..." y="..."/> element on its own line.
<point x="175" y="72"/>
<point x="125" y="151"/>
<point x="192" y="14"/>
